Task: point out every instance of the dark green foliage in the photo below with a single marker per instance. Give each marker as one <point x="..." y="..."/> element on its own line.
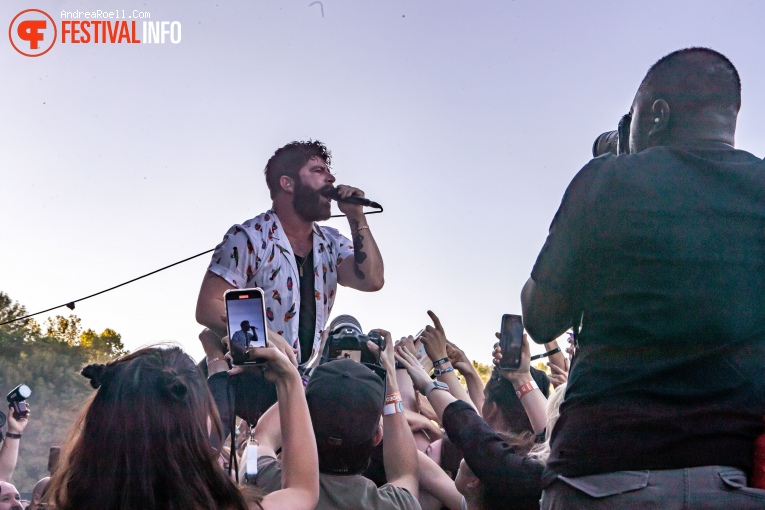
<point x="49" y="361"/>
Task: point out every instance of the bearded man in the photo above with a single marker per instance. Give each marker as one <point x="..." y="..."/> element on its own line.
<point x="296" y="262"/>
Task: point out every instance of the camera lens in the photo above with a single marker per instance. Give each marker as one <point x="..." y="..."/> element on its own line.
<point x="344" y="321"/>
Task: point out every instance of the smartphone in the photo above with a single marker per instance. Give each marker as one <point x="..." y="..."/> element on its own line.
<point x="511" y="342"/>
<point x="246" y="323"/>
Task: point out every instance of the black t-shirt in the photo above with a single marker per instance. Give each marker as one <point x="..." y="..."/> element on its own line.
<point x="664" y="252"/>
<point x="307" y="317"/>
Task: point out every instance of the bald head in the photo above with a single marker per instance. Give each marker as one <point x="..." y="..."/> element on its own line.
<point x="9" y="497"/>
<point x="689" y="95"/>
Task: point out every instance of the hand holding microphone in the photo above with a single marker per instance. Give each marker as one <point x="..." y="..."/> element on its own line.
<point x="348" y="195"/>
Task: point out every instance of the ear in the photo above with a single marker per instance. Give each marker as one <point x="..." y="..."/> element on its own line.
<point x="287" y="184"/>
<point x="661" y="114"/>
<point x="474" y="484"/>
<point x="378" y="436"/>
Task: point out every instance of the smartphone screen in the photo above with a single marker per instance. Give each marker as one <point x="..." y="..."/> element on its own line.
<point x="246" y="321"/>
<point x="511" y="342"/>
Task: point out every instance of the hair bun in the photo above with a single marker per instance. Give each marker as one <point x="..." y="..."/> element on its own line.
<point x="95" y="372"/>
<point x="172" y="385"/>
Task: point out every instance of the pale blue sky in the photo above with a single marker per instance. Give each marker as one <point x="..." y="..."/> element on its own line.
<point x="466" y="120"/>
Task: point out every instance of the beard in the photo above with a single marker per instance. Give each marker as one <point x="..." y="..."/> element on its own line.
<point x="310" y="204"/>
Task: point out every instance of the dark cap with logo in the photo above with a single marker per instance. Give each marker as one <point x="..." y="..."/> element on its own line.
<point x="345" y="400"/>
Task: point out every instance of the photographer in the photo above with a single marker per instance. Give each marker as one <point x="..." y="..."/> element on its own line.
<point x="346" y="400"/>
<point x="658" y="254"/>
<point x="9" y="450"/>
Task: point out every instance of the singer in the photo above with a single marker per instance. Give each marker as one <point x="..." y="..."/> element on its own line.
<point x="295" y="261"/>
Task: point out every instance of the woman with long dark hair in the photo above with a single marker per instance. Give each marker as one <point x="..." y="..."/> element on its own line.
<point x="142" y="441"/>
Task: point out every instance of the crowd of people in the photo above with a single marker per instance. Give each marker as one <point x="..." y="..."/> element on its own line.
<point x="655" y="263"/>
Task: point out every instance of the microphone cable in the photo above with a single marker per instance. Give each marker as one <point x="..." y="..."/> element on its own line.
<point x="71" y="304"/>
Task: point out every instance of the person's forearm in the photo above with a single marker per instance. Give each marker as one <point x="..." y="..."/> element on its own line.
<point x="399" y="448"/>
<point x="213" y="349"/>
<point x="534" y="403"/>
<point x="300" y="462"/>
<point x="440" y="400"/>
<point x="436" y="482"/>
<point x="9" y="453"/>
<point x="455" y="388"/>
<point x="557" y="359"/>
<point x="406" y="389"/>
<point x="367" y="258"/>
<point x="474" y="388"/>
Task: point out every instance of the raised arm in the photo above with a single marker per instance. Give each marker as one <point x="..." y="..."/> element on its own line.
<point x="399" y="449"/>
<point x="531" y="397"/>
<point x="9" y="450"/>
<point x="300" y="461"/>
<point x="434" y="340"/>
<point x="465" y="367"/>
<point x="211" y="313"/>
<point x="366" y="271"/>
<point x="437" y="483"/>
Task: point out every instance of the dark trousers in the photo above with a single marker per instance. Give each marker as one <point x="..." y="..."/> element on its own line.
<point x="698" y="488"/>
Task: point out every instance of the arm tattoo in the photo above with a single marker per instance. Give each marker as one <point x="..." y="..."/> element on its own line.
<point x="358" y="255"/>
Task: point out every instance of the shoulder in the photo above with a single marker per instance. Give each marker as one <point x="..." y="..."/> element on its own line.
<point x="259" y="224"/>
<point x="269" y="474"/>
<point x="400" y="497"/>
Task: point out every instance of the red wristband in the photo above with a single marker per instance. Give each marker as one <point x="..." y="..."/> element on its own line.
<point x="393" y="397"/>
<point x="526" y="388"/>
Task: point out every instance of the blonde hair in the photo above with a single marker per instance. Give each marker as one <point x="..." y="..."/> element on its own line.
<point x="541" y="451"/>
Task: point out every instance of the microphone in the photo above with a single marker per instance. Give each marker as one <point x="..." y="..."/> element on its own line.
<point x="334" y="194"/>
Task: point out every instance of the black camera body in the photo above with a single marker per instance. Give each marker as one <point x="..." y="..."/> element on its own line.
<point x="17" y="398"/>
<point x="346" y="340"/>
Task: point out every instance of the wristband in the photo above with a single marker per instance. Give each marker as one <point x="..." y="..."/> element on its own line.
<point x="548" y="353"/>
<point x="359" y="230"/>
<point x="393" y="408"/>
<point x="440" y="362"/>
<point x="438" y="371"/>
<point x="211" y="361"/>
<point x="526" y="388"/>
<point x="391" y="398"/>
<point x="12" y="435"/>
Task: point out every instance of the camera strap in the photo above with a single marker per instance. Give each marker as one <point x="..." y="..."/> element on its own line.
<point x="251" y="471"/>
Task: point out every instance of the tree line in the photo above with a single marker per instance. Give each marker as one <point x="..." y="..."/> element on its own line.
<point x="48" y="358"/>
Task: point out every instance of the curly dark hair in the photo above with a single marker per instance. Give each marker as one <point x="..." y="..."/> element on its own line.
<point x="289" y="159"/>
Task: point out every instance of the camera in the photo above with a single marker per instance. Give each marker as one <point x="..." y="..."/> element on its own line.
<point x="17" y="398"/>
<point x="346" y="340"/>
<point x="616" y="142"/>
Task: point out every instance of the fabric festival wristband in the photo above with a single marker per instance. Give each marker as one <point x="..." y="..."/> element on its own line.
<point x="393" y="408"/>
<point x="440" y="362"/>
<point x="12" y="435"/>
<point x="393" y="397"/>
<point x="526" y="388"/>
<point x="437" y="371"/>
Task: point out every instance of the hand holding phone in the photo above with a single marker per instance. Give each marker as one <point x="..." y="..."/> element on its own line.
<point x="246" y="324"/>
<point x="510" y="342"/>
